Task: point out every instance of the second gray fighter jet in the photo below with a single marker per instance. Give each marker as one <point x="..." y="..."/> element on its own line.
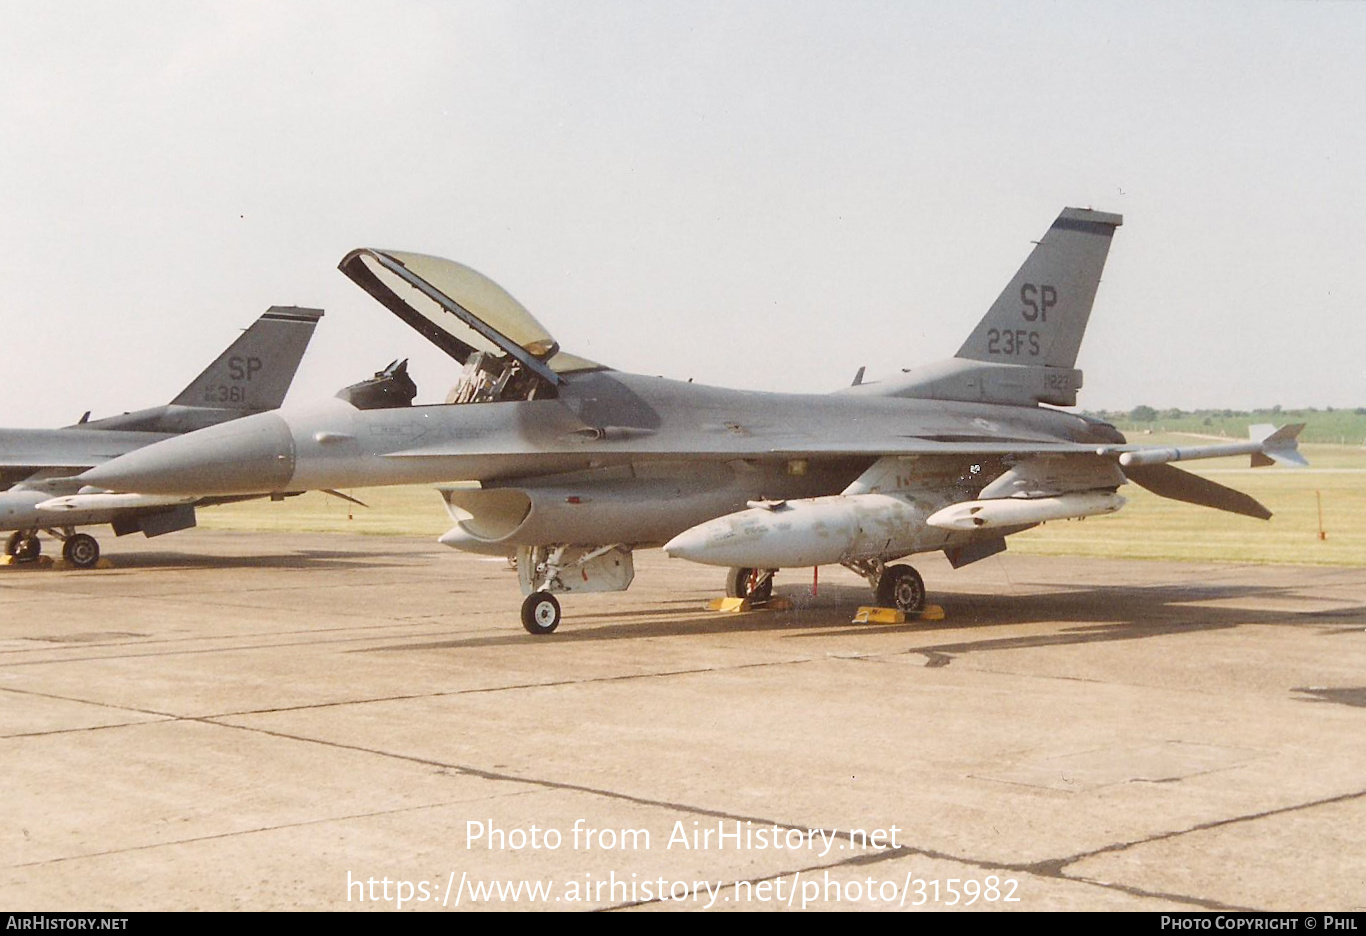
<point x="39" y="490"/>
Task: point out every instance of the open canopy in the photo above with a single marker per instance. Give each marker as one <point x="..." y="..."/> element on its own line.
<point x="458" y="309"/>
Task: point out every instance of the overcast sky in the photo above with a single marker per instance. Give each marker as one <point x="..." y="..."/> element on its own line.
<point x="764" y="195"/>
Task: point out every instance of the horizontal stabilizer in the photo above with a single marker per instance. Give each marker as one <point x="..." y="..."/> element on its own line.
<point x="1176" y="484"/>
<point x="346" y="497"/>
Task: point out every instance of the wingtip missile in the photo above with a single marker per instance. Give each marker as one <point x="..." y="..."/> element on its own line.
<point x="1280" y="446"/>
<point x="1266" y="444"/>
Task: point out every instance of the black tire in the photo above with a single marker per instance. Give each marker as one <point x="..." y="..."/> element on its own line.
<point x="81" y="550"/>
<point x="901" y="587"/>
<point x="28" y="549"/>
<point x="540" y="613"/>
<point x="12" y="544"/>
<point x="734" y="581"/>
<point x="740" y="584"/>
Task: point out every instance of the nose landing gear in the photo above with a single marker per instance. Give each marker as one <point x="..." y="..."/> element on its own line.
<point x="540" y="613"/>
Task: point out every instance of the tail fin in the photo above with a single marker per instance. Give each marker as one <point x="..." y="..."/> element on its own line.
<point x="255" y="372"/>
<point x="1041" y="316"/>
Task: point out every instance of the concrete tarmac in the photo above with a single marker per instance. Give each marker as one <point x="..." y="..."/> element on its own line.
<point x="231" y="721"/>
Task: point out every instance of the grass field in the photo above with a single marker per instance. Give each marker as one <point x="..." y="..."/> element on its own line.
<point x="1149" y="527"/>
<point x="414" y="510"/>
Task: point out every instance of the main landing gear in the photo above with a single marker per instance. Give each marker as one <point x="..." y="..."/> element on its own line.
<point x="901" y="587"/>
<point x="80" y="550"/>
<point x="23" y="546"/>
<point x="754" y="584"/>
<point x="898" y="586"/>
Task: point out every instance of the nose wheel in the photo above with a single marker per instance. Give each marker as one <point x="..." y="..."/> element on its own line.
<point x="540" y="613"/>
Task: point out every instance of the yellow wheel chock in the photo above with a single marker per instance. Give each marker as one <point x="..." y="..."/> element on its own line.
<point x="867" y="615"/>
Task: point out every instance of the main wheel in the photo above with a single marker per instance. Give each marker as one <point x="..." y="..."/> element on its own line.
<point x="540" y="613"/>
<point x="901" y="587"/>
<point x="746" y="583"/>
<point x="81" y="550"/>
<point x="12" y="544"/>
<point x="27" y="549"/>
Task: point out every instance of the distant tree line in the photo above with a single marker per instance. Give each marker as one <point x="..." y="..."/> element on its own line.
<point x="1330" y="424"/>
<point x="1145" y="413"/>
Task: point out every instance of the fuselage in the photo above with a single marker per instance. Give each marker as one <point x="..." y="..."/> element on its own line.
<point x="645" y="445"/>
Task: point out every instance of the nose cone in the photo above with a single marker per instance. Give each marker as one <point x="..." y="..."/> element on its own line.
<point x="252" y="455"/>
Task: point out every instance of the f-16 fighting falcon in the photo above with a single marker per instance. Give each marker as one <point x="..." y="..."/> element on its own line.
<point x="38" y="467"/>
<point x="578" y="464"/>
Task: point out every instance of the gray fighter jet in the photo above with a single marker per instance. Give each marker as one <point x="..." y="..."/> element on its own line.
<point x="39" y="489"/>
<point x="578" y="464"/>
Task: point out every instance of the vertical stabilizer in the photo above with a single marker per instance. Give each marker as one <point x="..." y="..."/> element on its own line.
<point x="1041" y="316"/>
<point x="255" y="372"/>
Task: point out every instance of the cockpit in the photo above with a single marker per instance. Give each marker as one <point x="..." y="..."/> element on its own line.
<point x="506" y="353"/>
